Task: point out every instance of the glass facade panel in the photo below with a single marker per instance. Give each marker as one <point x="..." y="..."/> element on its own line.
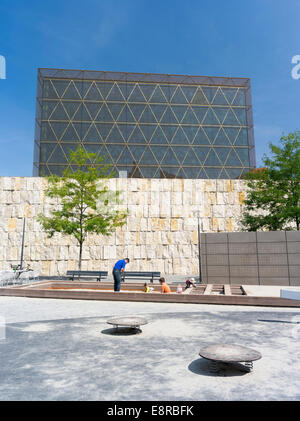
<point x="46" y="150"/>
<point x="93" y="93"/>
<point x="48" y="90"/>
<point x="59" y="113"/>
<point x="115" y="136"/>
<point x="211" y="133"/>
<point x="180" y="138"/>
<point x="209" y="92"/>
<point x="191" y="158"/>
<point x="229" y="94"/>
<point x="136" y="136"/>
<point x="189" y="117"/>
<point x="239" y="99"/>
<point x="243" y="154"/>
<point x="158" y="137"/>
<point x="200" y="137"/>
<point x="47" y="109"/>
<point x="71" y="108"/>
<point x="222" y="154"/>
<point x="71" y="92"/>
<point x="70" y="134"/>
<point x="191" y="172"/>
<point x="199" y="98"/>
<point x="201" y="153"/>
<point x="242" y="138"/>
<point x="231" y="119"/>
<point x="219" y="98"/>
<point x="158" y="96"/>
<point x="170" y="158"/>
<point x="212" y="159"/>
<point x="178" y="97"/>
<point x="222" y="139"/>
<point x="233" y="159"/>
<point x="184" y="126"/>
<point x="104" y="88"/>
<point x="213" y="172"/>
<point x="159" y="152"/>
<point x="180" y="152"/>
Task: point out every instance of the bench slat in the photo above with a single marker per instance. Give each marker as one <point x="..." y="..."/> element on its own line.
<point x="94" y="273"/>
<point x="146" y="275"/>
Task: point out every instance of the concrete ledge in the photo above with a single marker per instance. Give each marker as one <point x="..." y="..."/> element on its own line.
<point x="39" y="292"/>
<point x="290" y="294"/>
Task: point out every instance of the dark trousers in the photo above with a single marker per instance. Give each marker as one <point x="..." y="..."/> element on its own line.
<point x="117" y="279"/>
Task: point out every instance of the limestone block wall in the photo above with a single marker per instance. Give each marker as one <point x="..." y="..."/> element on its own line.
<point x="160" y="233"/>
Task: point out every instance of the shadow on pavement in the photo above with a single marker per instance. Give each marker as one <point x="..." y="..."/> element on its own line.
<point x="121" y="331"/>
<point x="203" y="367"/>
<point x="278" y="321"/>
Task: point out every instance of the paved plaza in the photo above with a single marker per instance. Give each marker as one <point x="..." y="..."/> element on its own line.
<point x="64" y="350"/>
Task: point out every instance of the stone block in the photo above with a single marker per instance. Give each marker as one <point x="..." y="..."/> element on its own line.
<point x="177" y="185"/>
<point x="154" y="210"/>
<point x="176" y="198"/>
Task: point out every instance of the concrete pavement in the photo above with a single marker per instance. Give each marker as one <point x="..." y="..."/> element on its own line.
<point x="64" y="350"/>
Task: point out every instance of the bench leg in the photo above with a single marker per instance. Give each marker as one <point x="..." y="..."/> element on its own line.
<point x="214" y="368"/>
<point x="249" y="366"/>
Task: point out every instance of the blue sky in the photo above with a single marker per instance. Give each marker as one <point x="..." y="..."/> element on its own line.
<point x="237" y="38"/>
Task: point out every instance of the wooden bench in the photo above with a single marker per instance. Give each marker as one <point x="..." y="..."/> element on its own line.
<point x="141" y="275"/>
<point x="99" y="274"/>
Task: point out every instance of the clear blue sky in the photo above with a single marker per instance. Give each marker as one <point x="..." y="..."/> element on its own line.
<point x="238" y="38"/>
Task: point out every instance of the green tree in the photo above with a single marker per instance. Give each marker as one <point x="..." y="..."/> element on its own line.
<point x="86" y="204"/>
<point x="273" y="199"/>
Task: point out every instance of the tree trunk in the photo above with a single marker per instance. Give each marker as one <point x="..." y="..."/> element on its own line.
<point x="80" y="258"/>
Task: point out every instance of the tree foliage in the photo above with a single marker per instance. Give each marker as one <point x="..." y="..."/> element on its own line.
<point x="273" y="199"/>
<point x="86" y="205"/>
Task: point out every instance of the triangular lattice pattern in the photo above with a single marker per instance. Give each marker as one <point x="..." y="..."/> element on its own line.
<point x="146" y="129"/>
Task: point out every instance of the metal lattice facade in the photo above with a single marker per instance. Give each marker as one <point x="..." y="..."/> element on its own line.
<point x="146" y="125"/>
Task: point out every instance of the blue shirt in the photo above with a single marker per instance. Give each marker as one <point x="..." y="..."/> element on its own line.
<point x="120" y="264"/>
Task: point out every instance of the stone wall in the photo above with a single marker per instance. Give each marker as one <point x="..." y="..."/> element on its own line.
<point x="160" y="233"/>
